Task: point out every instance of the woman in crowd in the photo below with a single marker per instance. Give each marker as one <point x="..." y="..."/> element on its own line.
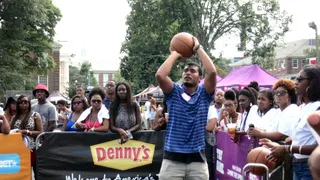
<point x="160" y="118"/>
<point x="96" y="117"/>
<point x="78" y="105"/>
<point x="285" y="98"/>
<point x="10" y="109"/>
<point x="4" y="125"/>
<point x="228" y="113"/>
<point x="260" y="115"/>
<point x="303" y="142"/>
<point x="153" y="109"/>
<point x="124" y="112"/>
<point x="28" y="123"/>
<point x="236" y="101"/>
<point x="247" y="98"/>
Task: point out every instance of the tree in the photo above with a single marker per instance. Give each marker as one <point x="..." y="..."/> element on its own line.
<point x="118" y="77"/>
<point x="152" y="24"/>
<point x="81" y="77"/>
<point x="26" y="37"/>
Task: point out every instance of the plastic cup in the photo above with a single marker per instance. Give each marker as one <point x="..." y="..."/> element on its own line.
<point x="232" y="129"/>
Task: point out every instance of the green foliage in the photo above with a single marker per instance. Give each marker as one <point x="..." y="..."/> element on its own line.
<point x="26" y="37"/>
<point x="264" y="56"/>
<point x="312" y="52"/>
<point x="222" y="65"/>
<point x="118" y="77"/>
<point x="81" y="77"/>
<point x="152" y="24"/>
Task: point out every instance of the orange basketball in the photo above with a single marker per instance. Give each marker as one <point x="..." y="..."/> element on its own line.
<point x="183" y="43"/>
<point x="259" y="155"/>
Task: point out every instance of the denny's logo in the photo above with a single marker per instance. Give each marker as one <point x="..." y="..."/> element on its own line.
<point x="125" y="156"/>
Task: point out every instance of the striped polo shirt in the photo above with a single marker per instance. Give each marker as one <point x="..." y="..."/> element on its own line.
<point x="188" y="113"/>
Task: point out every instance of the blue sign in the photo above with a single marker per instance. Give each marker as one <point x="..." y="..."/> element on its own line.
<point x="9" y="163"/>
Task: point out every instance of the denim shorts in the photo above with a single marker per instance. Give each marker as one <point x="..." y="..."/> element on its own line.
<point x="301" y="171"/>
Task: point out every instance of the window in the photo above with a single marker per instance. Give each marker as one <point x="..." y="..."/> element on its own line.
<point x="295" y="63"/>
<point x="282" y="64"/>
<point x="105" y="79"/>
<point x="43" y="79"/>
<point x="304" y="62"/>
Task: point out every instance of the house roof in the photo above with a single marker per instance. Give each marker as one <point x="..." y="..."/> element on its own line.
<point x="291" y="49"/>
<point x="56" y="46"/>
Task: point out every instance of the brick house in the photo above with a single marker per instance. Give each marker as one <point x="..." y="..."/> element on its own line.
<point x="289" y="59"/>
<point x="103" y="76"/>
<point x="52" y="79"/>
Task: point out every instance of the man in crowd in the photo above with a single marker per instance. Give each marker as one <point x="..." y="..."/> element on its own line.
<point x="110" y="93"/>
<point x="46" y="109"/>
<point x="218" y="101"/>
<point x="63" y="112"/>
<point x="184" y="149"/>
<point x="80" y="90"/>
<point x="147" y="112"/>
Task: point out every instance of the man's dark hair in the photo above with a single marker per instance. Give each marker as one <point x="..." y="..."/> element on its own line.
<point x="62" y="102"/>
<point x="197" y="65"/>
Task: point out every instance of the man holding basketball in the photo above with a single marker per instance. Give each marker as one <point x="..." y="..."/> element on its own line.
<point x="184" y="155"/>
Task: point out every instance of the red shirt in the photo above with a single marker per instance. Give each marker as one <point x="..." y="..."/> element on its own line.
<point x="91" y="124"/>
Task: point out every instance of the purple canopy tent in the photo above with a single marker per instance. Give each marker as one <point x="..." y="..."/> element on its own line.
<point x="241" y="77"/>
<point x="218" y="79"/>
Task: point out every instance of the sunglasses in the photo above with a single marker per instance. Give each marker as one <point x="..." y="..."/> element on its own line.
<point x="299" y="79"/>
<point x="76" y="102"/>
<point x="23" y="102"/>
<point x="96" y="101"/>
<point x="280" y="92"/>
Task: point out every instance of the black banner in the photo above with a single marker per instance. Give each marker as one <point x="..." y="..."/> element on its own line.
<point x="99" y="156"/>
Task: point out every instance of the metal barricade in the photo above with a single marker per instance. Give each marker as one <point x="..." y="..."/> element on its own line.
<point x="245" y="170"/>
<point x="38" y="143"/>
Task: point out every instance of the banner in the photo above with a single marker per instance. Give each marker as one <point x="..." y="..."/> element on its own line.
<point x="231" y="157"/>
<point x="99" y="156"/>
<point x="14" y="158"/>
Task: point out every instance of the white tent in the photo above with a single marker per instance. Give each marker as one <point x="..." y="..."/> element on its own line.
<point x="56" y="96"/>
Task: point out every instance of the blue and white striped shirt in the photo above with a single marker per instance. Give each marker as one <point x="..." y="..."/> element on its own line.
<point x="187" y="119"/>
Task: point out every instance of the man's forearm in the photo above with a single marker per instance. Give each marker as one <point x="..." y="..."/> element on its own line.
<point x="51" y="125"/>
<point x="165" y="69"/>
<point x="207" y="62"/>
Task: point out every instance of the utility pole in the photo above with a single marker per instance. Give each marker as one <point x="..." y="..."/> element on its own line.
<point x="313" y="25"/>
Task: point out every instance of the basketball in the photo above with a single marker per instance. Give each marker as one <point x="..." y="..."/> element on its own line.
<point x="259" y="155"/>
<point x="183" y="43"/>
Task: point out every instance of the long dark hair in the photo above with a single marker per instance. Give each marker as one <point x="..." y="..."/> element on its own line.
<point x="114" y="107"/>
<point x="19" y="112"/>
<point x="251" y="93"/>
<point x="313" y="74"/>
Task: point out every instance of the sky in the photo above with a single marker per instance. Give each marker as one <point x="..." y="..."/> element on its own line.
<point x="95" y="29"/>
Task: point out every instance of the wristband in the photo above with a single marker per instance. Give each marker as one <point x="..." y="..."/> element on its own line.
<point x="197" y="48"/>
<point x="291" y="149"/>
